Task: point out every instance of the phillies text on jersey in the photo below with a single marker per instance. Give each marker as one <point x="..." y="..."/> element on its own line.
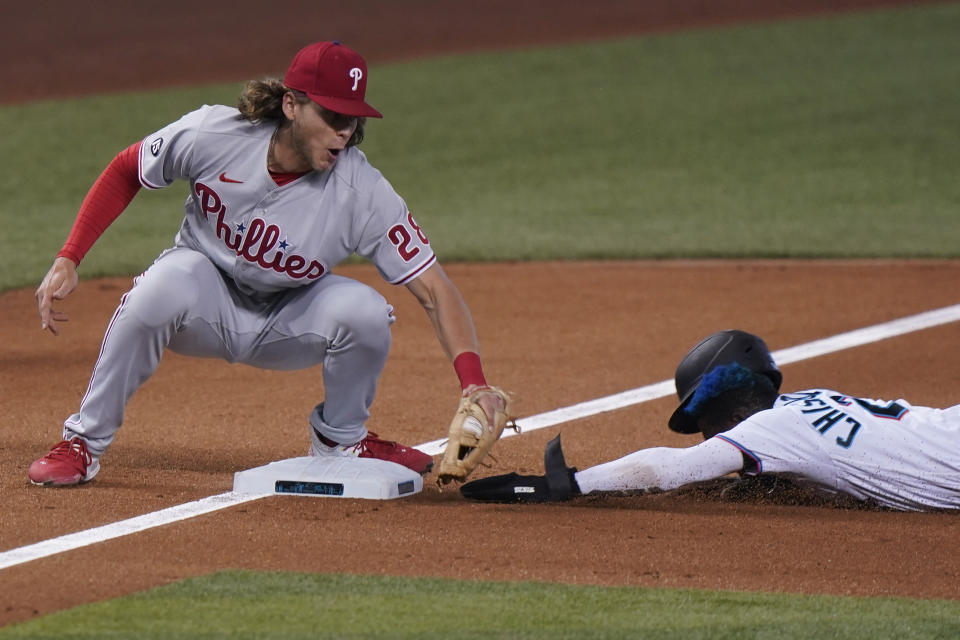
<point x="269" y="237"/>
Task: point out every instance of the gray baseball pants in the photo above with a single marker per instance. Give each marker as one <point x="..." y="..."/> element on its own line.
<point x="184" y="303"/>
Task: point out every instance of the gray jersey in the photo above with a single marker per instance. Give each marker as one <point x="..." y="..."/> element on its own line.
<point x="235" y="284"/>
<point x="268" y="237"/>
<point x="902" y="456"/>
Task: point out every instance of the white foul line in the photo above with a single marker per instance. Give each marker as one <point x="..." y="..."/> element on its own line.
<point x="662" y="389"/>
<point x="839" y="342"/>
<point x="169" y="515"/>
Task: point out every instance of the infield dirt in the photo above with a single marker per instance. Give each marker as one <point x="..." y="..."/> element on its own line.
<point x="559" y="334"/>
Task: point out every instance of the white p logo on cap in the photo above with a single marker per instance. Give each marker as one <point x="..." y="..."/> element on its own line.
<point x="356" y="74"/>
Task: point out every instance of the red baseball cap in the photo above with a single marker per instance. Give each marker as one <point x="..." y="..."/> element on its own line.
<point x="333" y="76"/>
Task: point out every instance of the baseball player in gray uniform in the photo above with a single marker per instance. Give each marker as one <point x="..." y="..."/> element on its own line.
<point x="890" y="453"/>
<point x="279" y="194"/>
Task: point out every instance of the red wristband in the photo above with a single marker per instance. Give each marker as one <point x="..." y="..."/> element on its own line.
<point x="468" y="368"/>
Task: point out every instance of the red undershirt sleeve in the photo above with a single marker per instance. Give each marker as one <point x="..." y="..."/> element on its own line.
<point x="105" y="201"/>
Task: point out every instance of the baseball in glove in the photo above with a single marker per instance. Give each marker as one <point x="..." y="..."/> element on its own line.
<point x="470" y="437"/>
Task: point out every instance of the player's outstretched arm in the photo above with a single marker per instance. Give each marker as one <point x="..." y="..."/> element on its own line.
<point x="59" y="282"/>
<point x="468" y="439"/>
<point x="663" y="468"/>
<point x="447" y="310"/>
<point x="657" y="468"/>
<point x="106" y="199"/>
<point x="455" y="330"/>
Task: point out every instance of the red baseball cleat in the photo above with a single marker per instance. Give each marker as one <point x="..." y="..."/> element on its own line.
<point x="68" y="463"/>
<point x="373" y="447"/>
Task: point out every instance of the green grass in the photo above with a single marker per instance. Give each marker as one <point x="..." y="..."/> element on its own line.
<point x="284" y="605"/>
<point x="828" y="137"/>
<point x="814" y="138"/>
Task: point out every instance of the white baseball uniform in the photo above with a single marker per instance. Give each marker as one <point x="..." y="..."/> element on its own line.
<point x="249" y="280"/>
<point x="901" y="456"/>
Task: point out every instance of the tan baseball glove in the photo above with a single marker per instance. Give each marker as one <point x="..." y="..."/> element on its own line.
<point x="470" y="438"/>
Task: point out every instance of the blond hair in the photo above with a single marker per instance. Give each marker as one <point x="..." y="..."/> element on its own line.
<point x="262" y="100"/>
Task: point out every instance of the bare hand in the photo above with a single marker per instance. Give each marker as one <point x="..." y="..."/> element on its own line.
<point x="489" y="402"/>
<point x="59" y="282"/>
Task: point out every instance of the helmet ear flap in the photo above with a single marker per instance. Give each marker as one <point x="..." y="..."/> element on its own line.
<point x="723" y="347"/>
